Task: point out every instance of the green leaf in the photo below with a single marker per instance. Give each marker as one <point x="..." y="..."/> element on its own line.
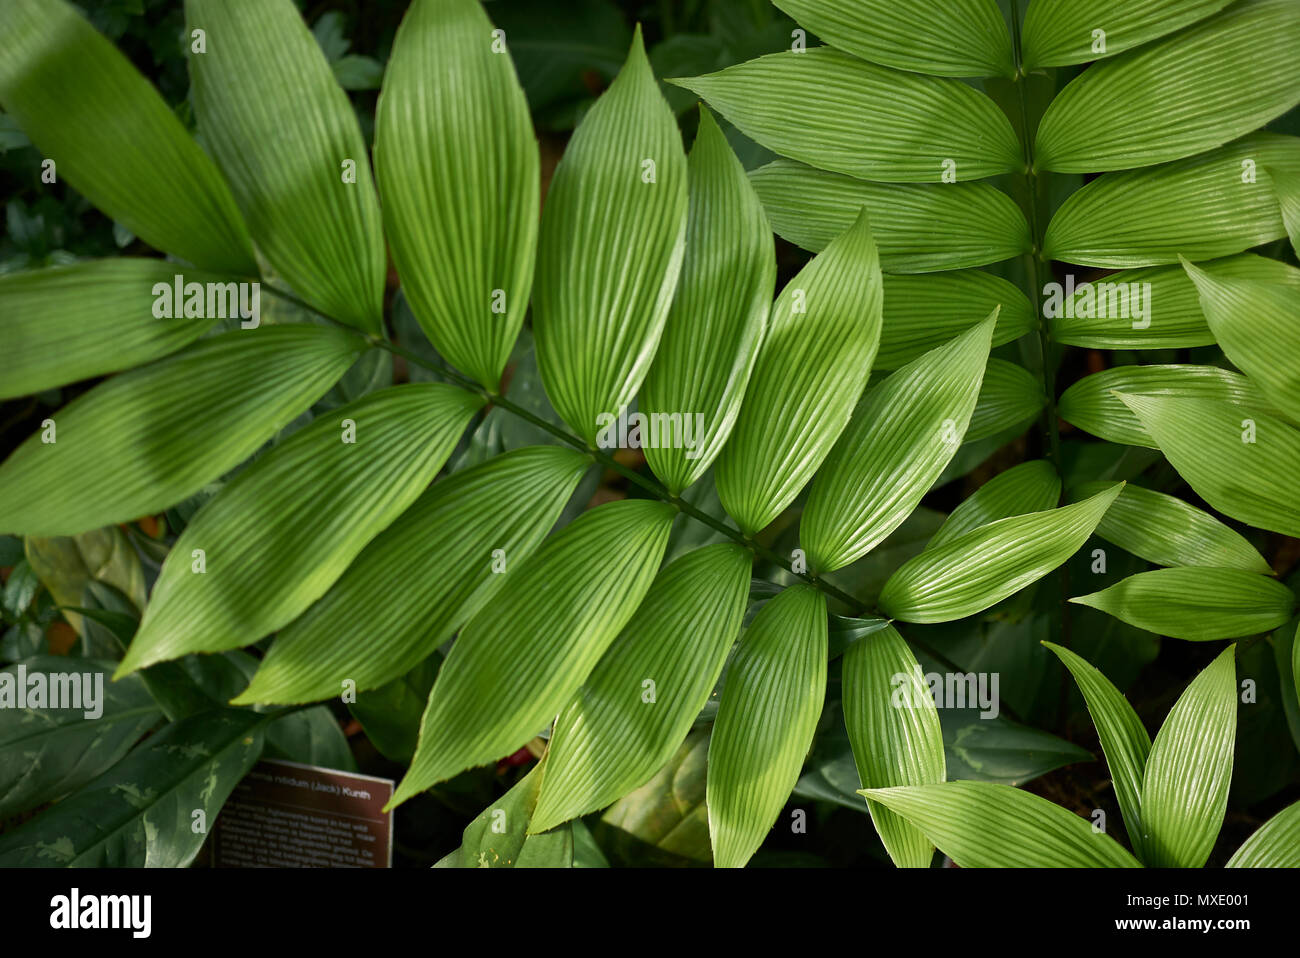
<point x="1275" y="844"/>
<point x="924" y="312"/>
<point x="48" y="751"/>
<point x="611" y="738"/>
<point x="1104" y="314"/>
<point x="900" y="439"/>
<point x="526" y="652"/>
<point x="456" y="161"/>
<point x="1185" y="789"/>
<point x="1123" y="738"/>
<point x="1203" y="207"/>
<point x="113" y="137"/>
<point x="1193" y="91"/>
<point x="1255" y="323"/>
<point x="920" y="228"/>
<point x="1286" y="183"/>
<point x="139" y="813"/>
<point x="612" y="237"/>
<point x="1168" y="531"/>
<point x="286" y="136"/>
<point x="996" y="749"/>
<point x="451" y="534"/>
<point x="894" y="727"/>
<point x="1098" y="403"/>
<point x="1190" y="602"/>
<point x="1029" y="487"/>
<point x="129" y="447"/>
<point x="984" y="566"/>
<point x="70" y="566"/>
<point x="1062" y="32"/>
<point x="718" y="317"/>
<point x="390" y="714"/>
<point x="770" y="704"/>
<point x="985" y="825"/>
<point x="1010" y="397"/>
<point x="861" y="119"/>
<point x="1240" y="461"/>
<point x="282" y="531"/>
<point x="500" y="838"/>
<point x="823" y="335"/>
<point x="965" y="38"/>
<point x="310" y="737"/>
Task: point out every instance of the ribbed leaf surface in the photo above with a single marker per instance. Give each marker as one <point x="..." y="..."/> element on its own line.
<point x="1062" y="32"/>
<point x="1029" y="487"/>
<point x="129" y="447"/>
<point x="281" y="532"/>
<point x="1275" y="844"/>
<point x="772" y="698"/>
<point x="924" y="312"/>
<point x="1286" y="184"/>
<point x="1010" y="396"/>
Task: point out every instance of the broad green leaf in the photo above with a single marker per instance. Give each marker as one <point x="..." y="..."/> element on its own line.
<point x="1286" y="184"/>
<point x="823" y="335"/>
<point x="283" y="530"/>
<point x="1010" y="397"/>
<point x="457" y="165"/>
<point x="500" y="838"/>
<point x="1152" y="308"/>
<point x="618" y="731"/>
<point x="612" y="237"/>
<point x="1123" y="738"/>
<point x="68" y="566"/>
<point x="140" y="813"/>
<point x="894" y="727"/>
<point x="1063" y="32"/>
<point x="965" y="38"/>
<point x="49" y="749"/>
<point x="1097" y="403"/>
<point x="390" y="714"/>
<point x="1168" y="531"/>
<point x="984" y="566"/>
<point x="69" y="323"/>
<point x="923" y="312"/>
<point x="1275" y="844"/>
<point x="985" y="825"/>
<point x="130" y="446"/>
<point x="310" y="737"/>
<point x="995" y="749"/>
<point x="1256" y="323"/>
<point x="451" y="535"/>
<point x="1203" y="207"/>
<point x="901" y="437"/>
<point x="111" y="135"/>
<point x="920" y="228"/>
<point x="1193" y="91"/>
<point x="1029" y="487"/>
<point x="1241" y="462"/>
<point x="286" y="136"/>
<point x="526" y="652"/>
<point x="718" y="317"/>
<point x="773" y="695"/>
<point x="842" y="114"/>
<point x="1185" y="788"/>
<point x="1192" y="602"/>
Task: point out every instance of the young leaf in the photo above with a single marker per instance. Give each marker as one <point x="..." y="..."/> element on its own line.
<point x="1029" y="487"/>
<point x="636" y="707"/>
<point x="823" y="336"/>
<point x="610" y="250"/>
<point x="924" y="312"/>
<point x="920" y="228"/>
<point x="285" y="135"/>
<point x="1010" y="396"/>
<point x="283" y="530"/>
<point x="1190" y="602"/>
<point x="1275" y="844"/>
<point x="893" y="726"/>
<point x="457" y="165"/>
<point x="525" y="653"/>
<point x="1168" y="531"/>
<point x="770" y="703"/>
<point x="864" y="120"/>
<point x="986" y="825"/>
<point x="719" y="315"/>
<point x="1193" y="91"/>
<point x="113" y="138"/>
<point x="1064" y="32"/>
<point x="984" y="566"/>
<point x="1185" y="788"/>
<point x="902" y="436"/>
<point x="129" y="447"/>
<point x="1240" y="461"/>
<point x="462" y="533"/>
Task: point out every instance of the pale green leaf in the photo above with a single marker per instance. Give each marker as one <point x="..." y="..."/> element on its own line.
<point x="1275" y="844"/>
<point x="923" y="312"/>
<point x="1010" y="396"/>
<point x="1029" y="487"/>
<point x="1063" y="32"/>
